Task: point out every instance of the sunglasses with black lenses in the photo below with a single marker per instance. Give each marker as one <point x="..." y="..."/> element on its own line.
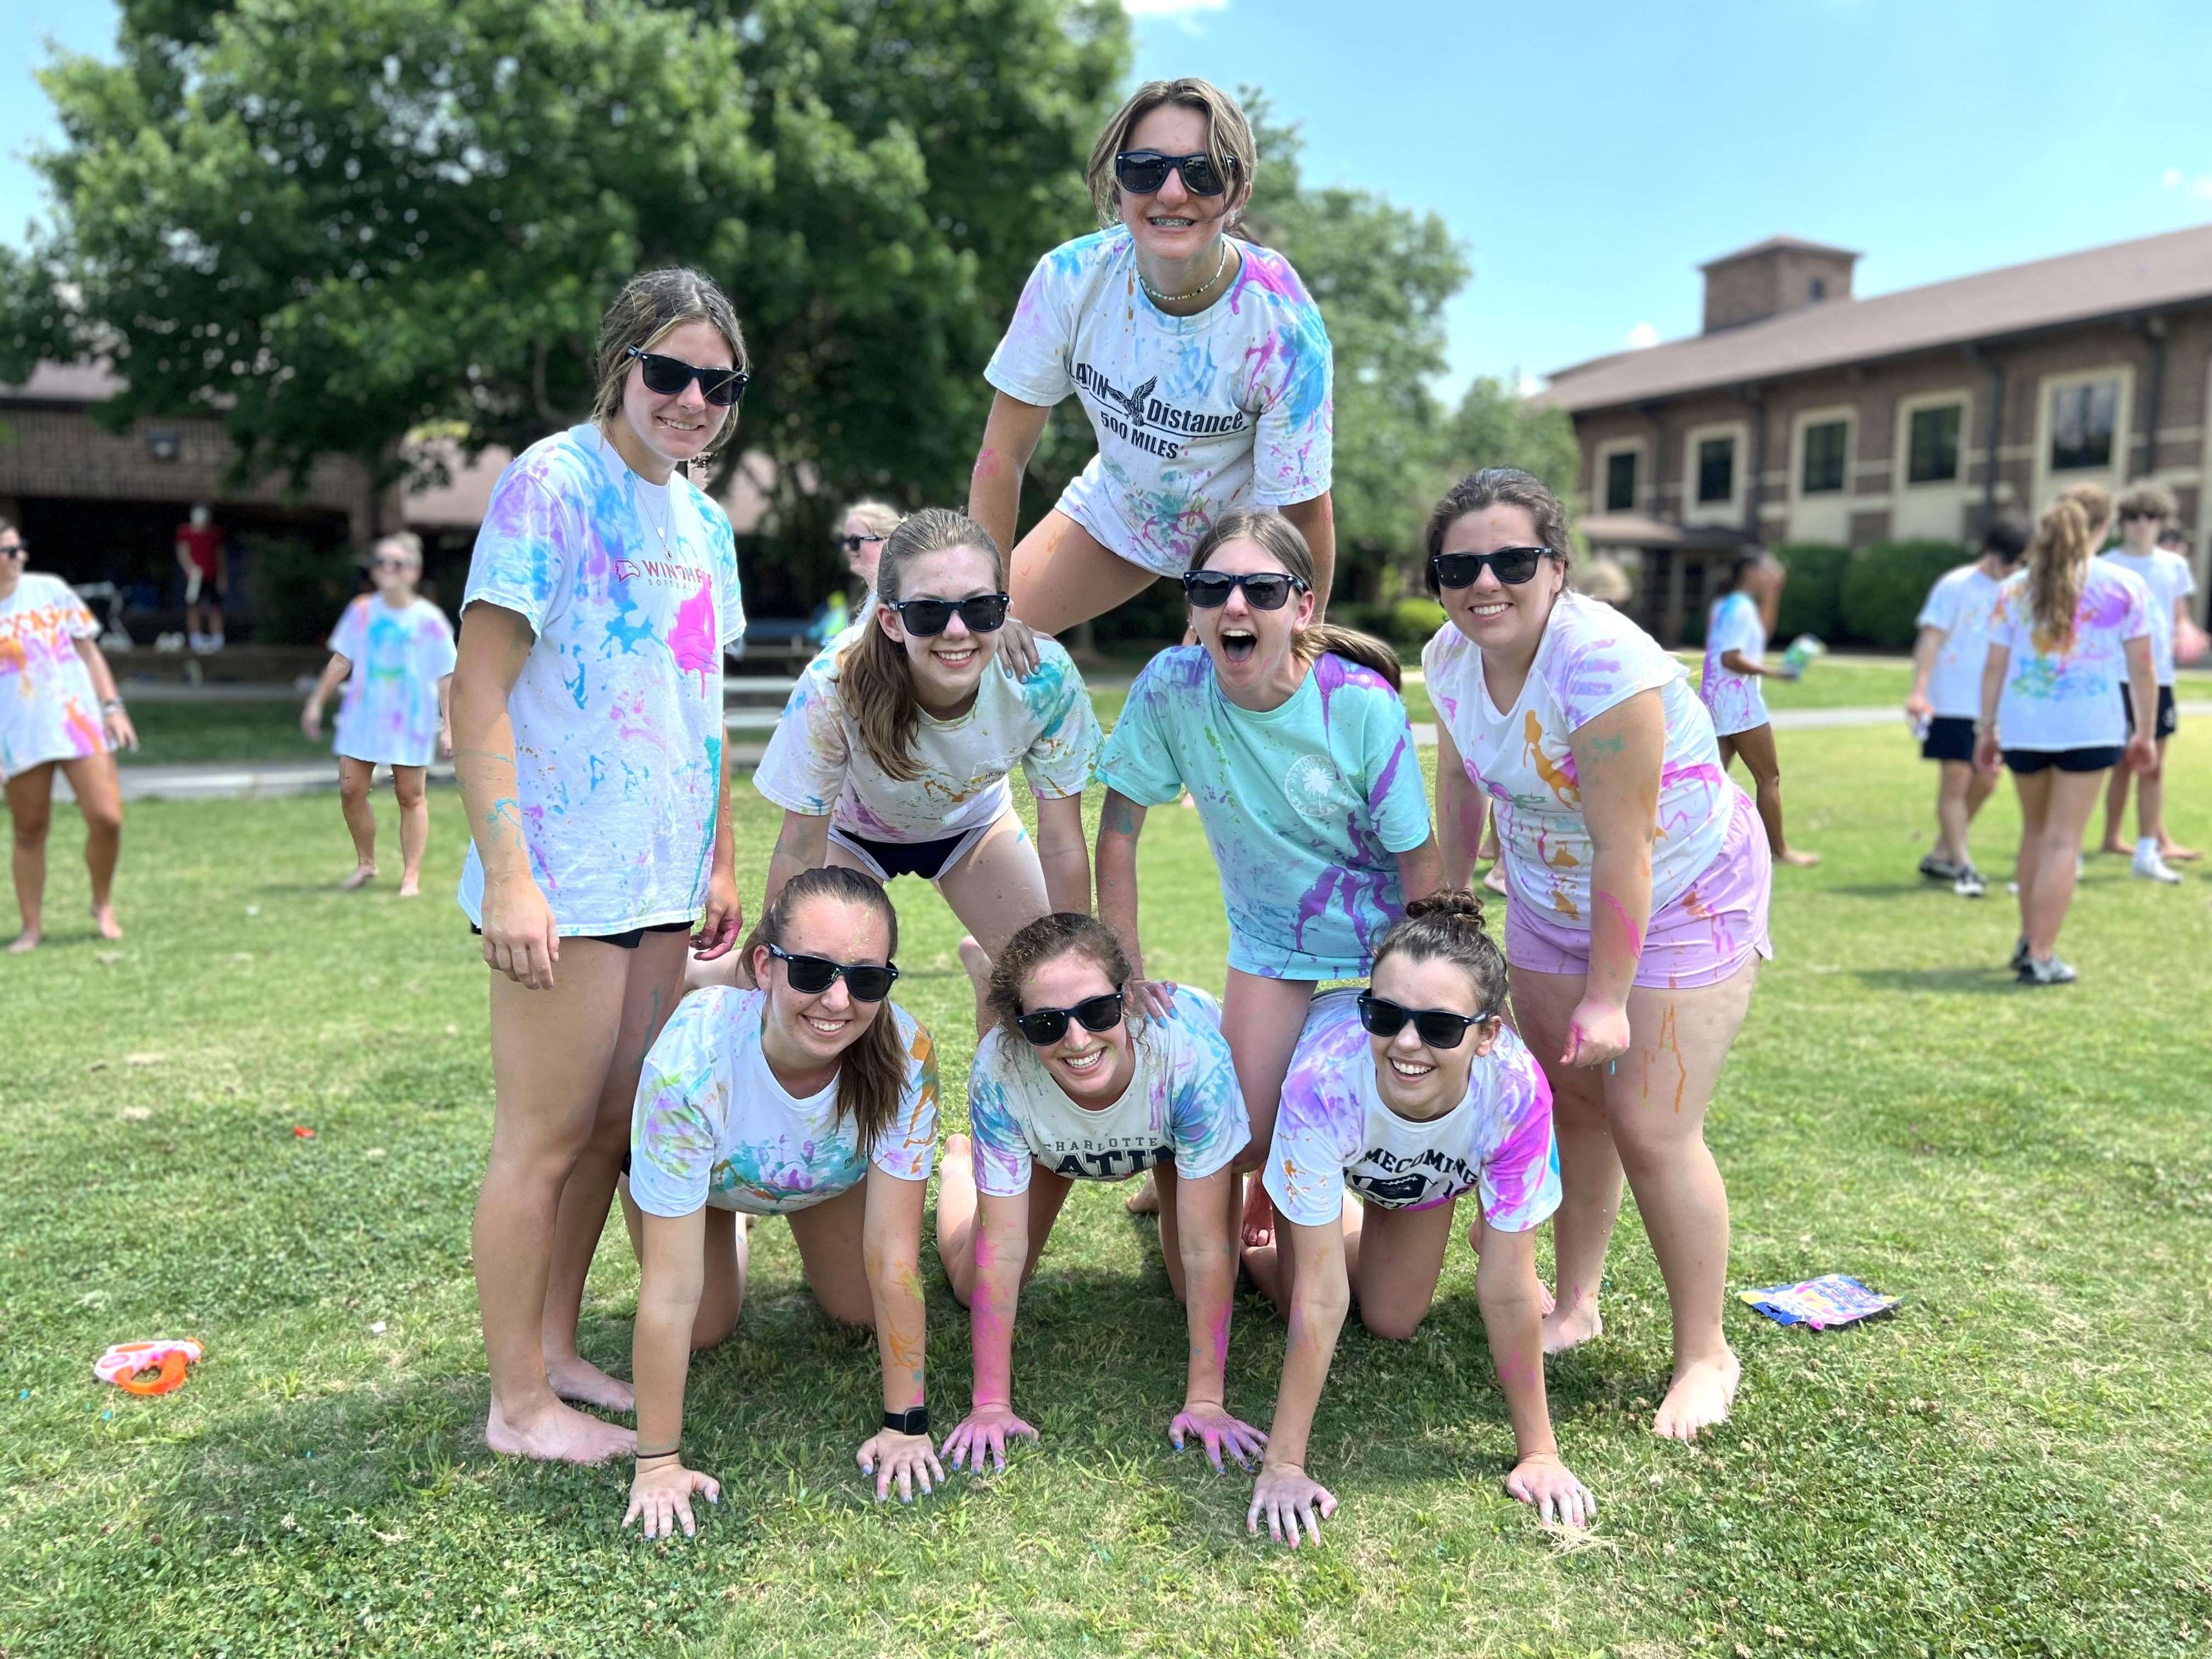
<point x="812" y="975"/>
<point x="1264" y="590"/>
<point x="984" y="613"/>
<point x="1045" y="1026"/>
<point x="1141" y="171"/>
<point x="1510" y="565"/>
<point x="1438" y="1027"/>
<point x="854" y="543"/>
<point x="666" y="376"/>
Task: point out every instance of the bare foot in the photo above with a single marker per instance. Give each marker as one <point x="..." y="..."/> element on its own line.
<point x="2114" y="844"/>
<point x="1146" y="1201"/>
<point x="579" y="1380"/>
<point x="104" y="922"/>
<point x="362" y="875"/>
<point x="2173" y="854"/>
<point x="1699" y="1397"/>
<point x="1571" y="1326"/>
<point x="410" y="886"/>
<point x="1802" y="860"/>
<point x="1495" y="881"/>
<point x="25" y="941"/>
<point x="561" y="1434"/>
<point x="1259" y="1217"/>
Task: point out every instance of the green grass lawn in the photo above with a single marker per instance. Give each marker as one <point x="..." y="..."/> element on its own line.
<point x="174" y="733"/>
<point x="2017" y="1462"/>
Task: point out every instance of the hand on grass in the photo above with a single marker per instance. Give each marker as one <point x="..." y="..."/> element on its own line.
<point x="1547" y="1485"/>
<point x="985" y="1428"/>
<point x="1217" y="1431"/>
<point x="1288" y="1497"/>
<point x="905" y="1459"/>
<point x="661" y="1497"/>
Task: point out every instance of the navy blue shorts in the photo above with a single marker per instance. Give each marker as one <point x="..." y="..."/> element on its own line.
<point x="2066" y="760"/>
<point x="623" y="941"/>
<point x="2169" y="717"/>
<point x="1950" y="737"/>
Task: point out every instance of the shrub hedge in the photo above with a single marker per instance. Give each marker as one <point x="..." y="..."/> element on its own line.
<point x="1883" y="588"/>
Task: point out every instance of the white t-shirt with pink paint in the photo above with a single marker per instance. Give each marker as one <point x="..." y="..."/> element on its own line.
<point x="1591" y="659"/>
<point x="2058" y="697"/>
<point x="1335" y="1132"/>
<point x="48" y="708"/>
<point x="632" y="590"/>
<point x="1736" y="702"/>
<point x="2169" y="580"/>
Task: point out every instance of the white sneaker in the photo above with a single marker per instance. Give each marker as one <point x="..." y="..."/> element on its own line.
<point x="2151" y="867"/>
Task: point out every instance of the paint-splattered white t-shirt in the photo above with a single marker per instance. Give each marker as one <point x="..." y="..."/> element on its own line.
<point x="1737" y="702"/>
<point x="1335" y="1132"/>
<point x="1959" y="604"/>
<point x="1591" y="657"/>
<point x="2168" y="578"/>
<point x="389" y="713"/>
<point x="816" y="763"/>
<point x="1195" y="416"/>
<point x="1182" y="1103"/>
<point x="632" y="589"/>
<point x="2058" y="697"/>
<point x="48" y="708"/>
<point x="712" y="1126"/>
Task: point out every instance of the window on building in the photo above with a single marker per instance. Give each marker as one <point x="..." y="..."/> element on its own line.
<point x="1932" y="451"/>
<point x="1716" y="470"/>
<point x="2082" y="419"/>
<point x="1620" y="481"/>
<point x="1820" y="288"/>
<point x="1824" y="445"/>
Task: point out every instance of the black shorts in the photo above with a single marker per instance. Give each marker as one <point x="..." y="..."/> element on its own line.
<point x="2066" y="760"/>
<point x="1950" y="737"/>
<point x="2169" y="717"/>
<point x="623" y="941"/>
<point x="887" y="860"/>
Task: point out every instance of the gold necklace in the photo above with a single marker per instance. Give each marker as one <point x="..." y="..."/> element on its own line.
<point x="1160" y="299"/>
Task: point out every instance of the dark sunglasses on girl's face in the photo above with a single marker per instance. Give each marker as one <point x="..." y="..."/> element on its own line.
<point x="667" y="376"/>
<point x="812" y="975"/>
<point x="854" y="543"/>
<point x="1141" y="171"/>
<point x="1438" y="1027"/>
<point x="1045" y="1026"/>
<point x="984" y="613"/>
<point x="1264" y="590"/>
<point x="1510" y="565"/>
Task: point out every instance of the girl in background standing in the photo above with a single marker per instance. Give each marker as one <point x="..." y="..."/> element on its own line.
<point x="1736" y="661"/>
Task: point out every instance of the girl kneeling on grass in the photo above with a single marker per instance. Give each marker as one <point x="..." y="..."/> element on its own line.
<point x="1436" y="1099"/>
<point x="1069" y="1084"/>
<point x="892" y="753"/>
<point x="1294" y="744"/>
<point x="811" y="1097"/>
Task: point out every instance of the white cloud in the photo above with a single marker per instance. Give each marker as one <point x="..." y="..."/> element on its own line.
<point x="1171" y="8"/>
<point x="1642" y="336"/>
<point x="2200" y="186"/>
<point x="2171" y="177"/>
<point x="1527" y="385"/>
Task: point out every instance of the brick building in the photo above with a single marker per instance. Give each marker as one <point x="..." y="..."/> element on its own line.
<point x="1802" y="414"/>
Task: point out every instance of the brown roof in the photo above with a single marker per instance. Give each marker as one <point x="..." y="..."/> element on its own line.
<point x="2151" y="272"/>
<point x="1793" y="244"/>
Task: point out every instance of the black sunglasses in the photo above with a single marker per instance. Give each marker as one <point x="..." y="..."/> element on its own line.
<point x="984" y="613"/>
<point x="1438" y="1027"/>
<point x="1045" y="1026"/>
<point x="854" y="543"/>
<point x="811" y="975"/>
<point x="1141" y="171"/>
<point x="14" y="549"/>
<point x="1510" y="565"/>
<point x="1264" y="590"/>
<point x="669" y="375"/>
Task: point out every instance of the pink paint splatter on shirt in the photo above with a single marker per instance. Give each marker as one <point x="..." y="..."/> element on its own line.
<point x="691" y="638"/>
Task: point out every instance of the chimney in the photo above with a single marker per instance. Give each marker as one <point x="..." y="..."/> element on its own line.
<point x="1780" y="274"/>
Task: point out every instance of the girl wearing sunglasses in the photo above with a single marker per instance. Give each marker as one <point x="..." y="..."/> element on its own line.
<point x="1291" y="737"/>
<point x="813" y="1098"/>
<point x="587" y="735"/>
<point x="1071" y="1084"/>
<point x="58" y="708"/>
<point x="893" y="752"/>
<point x="394" y="651"/>
<point x="1202" y="362"/>
<point x="1640" y="877"/>
<point x="1411" y="1094"/>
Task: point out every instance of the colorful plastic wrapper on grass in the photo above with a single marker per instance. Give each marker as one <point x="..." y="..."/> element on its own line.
<point x="1831" y="1299"/>
<point x="168" y="1355"/>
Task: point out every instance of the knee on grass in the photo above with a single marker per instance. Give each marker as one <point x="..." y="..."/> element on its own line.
<point x="1393" y="1324"/>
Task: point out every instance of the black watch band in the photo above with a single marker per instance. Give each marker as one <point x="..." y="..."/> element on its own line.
<point x="915" y="1420"/>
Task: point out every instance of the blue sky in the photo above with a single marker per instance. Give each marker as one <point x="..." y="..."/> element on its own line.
<point x="1590" y="155"/>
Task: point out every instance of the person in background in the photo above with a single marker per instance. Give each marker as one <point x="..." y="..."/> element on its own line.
<point x="52" y="680"/>
<point x="1606" y="581"/>
<point x="1736" y="661"/>
<point x="205" y="558"/>
<point x="2144" y="511"/>
<point x="866" y="526"/>
<point x="1946" y="700"/>
<point x="394" y="651"/>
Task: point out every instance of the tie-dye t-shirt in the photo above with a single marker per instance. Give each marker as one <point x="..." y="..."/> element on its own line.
<point x="1305" y="805"/>
<point x="390" y="710"/>
<point x="1735" y="700"/>
<point x="1195" y="416"/>
<point x="712" y="1126"/>
<point x="618" y="711"/>
<point x="1591" y="657"/>
<point x="2167" y="577"/>
<point x="48" y="709"/>
<point x="1335" y="1132"/>
<point x="1182" y="1103"/>
<point x="1959" y="604"/>
<point x="2069" y="698"/>
<point x="816" y="763"/>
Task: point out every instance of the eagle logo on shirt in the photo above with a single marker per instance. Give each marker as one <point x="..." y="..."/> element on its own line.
<point x="1133" y="403"/>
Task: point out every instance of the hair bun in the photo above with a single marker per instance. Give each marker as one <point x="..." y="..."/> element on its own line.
<point x="1457" y="903"/>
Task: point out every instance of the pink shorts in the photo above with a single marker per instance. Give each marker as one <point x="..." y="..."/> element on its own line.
<point x="1712" y="928"/>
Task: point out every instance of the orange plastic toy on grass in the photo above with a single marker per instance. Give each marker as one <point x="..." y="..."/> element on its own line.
<point x="168" y="1355"/>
